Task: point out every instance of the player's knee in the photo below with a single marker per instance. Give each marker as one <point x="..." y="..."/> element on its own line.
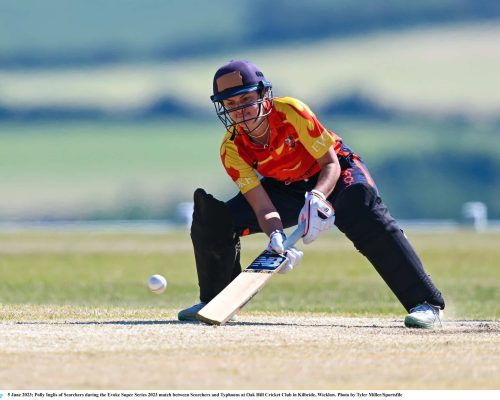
<point x="355" y="203"/>
<point x="361" y="213"/>
<point x="212" y="221"/>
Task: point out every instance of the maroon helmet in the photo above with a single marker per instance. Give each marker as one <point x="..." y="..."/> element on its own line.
<point x="235" y="78"/>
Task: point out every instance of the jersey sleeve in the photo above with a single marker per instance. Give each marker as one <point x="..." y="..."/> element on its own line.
<point x="312" y="134"/>
<point x="240" y="172"/>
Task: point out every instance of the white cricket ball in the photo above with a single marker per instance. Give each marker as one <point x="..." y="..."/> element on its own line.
<point x="157" y="284"/>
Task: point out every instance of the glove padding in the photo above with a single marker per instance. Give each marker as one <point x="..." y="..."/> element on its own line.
<point x="317" y="214"/>
<point x="277" y="241"/>
<point x="294" y="258"/>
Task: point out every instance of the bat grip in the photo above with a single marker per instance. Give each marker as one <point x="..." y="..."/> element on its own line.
<point x="295" y="236"/>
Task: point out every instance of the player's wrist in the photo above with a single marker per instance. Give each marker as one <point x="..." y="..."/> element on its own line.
<point x="318" y="193"/>
<point x="277" y="232"/>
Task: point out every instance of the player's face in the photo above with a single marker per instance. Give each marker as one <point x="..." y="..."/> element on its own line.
<point x="244" y="108"/>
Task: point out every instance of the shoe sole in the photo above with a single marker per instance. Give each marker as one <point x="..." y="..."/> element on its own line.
<point x="413" y="323"/>
<point x="185" y="319"/>
<point x="193" y="318"/>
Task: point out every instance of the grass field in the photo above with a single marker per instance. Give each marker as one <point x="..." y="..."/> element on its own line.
<point x="110" y="270"/>
<point x="75" y="313"/>
<point x="73" y="168"/>
<point x="84" y="169"/>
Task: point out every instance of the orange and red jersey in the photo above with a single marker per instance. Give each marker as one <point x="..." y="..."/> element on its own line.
<point x="297" y="141"/>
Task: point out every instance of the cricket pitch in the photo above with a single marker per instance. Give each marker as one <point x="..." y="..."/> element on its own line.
<point x="256" y="352"/>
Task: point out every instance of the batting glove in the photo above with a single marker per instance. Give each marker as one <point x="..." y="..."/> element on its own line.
<point x="317" y="214"/>
<point x="277" y="241"/>
<point x="294" y="256"/>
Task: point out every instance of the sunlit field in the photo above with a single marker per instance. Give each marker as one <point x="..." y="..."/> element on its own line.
<point x="110" y="270"/>
<point x="79" y="299"/>
<point x="447" y="69"/>
<point x="106" y="132"/>
<point x="86" y="170"/>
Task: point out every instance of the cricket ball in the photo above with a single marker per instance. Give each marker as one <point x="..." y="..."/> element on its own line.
<point x="157" y="284"/>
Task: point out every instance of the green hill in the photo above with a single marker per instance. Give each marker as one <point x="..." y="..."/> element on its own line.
<point x="448" y="70"/>
<point x="97" y="32"/>
<point x="104" y="105"/>
<point x="103" y="170"/>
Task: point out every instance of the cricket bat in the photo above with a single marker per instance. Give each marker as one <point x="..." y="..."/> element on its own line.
<point x="247" y="284"/>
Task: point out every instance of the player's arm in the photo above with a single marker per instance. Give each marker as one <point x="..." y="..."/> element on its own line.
<point x="317" y="213"/>
<point x="267" y="216"/>
<point x="330" y="172"/>
<point x="270" y="223"/>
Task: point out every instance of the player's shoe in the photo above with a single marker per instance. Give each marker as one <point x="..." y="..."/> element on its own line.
<point x="424" y="316"/>
<point x="189" y="314"/>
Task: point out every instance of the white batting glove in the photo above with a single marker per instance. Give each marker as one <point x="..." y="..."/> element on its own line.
<point x="294" y="258"/>
<point x="317" y="214"/>
<point x="277" y="241"/>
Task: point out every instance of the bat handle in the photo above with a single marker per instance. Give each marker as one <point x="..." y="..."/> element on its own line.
<point x="295" y="236"/>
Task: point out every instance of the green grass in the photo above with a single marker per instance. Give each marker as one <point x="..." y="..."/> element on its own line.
<point x="110" y="270"/>
<point x="376" y="140"/>
<point x="159" y="25"/>
<point x="104" y="150"/>
<point x="73" y="168"/>
<point x="449" y="69"/>
<point x="84" y="169"/>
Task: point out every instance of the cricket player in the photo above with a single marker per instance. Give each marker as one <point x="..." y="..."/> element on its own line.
<point x="289" y="168"/>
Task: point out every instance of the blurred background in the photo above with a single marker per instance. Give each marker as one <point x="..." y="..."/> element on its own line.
<point x="105" y="112"/>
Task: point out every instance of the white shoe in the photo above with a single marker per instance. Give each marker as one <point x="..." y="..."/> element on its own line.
<point x="424" y="316"/>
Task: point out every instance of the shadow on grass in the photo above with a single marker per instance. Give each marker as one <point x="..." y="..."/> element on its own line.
<point x="230" y="324"/>
<point x="331" y="325"/>
<point x="390" y="326"/>
<point x="167" y="322"/>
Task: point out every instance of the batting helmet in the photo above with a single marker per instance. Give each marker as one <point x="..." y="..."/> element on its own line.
<point x="235" y="78"/>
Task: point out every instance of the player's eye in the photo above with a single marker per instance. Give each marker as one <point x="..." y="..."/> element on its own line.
<point x="247" y="100"/>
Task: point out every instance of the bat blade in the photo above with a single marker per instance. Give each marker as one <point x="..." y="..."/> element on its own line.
<point x="246" y="285"/>
<point x="242" y="289"/>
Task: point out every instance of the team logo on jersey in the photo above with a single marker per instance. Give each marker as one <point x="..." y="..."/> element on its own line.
<point x="290" y="141"/>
